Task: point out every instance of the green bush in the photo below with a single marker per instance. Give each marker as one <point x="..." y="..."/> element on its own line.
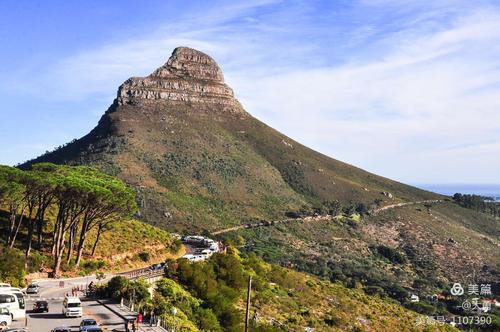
<point x="176" y="296"/>
<point x="393" y="255"/>
<point x="12" y="267"/>
<point x="331" y="319"/>
<point x="144" y="256"/>
<point x="217" y="282"/>
<point x="422" y="308"/>
<point x="207" y="321"/>
<point x="89" y="266"/>
<point x="175" y="246"/>
<point x="374" y="290"/>
<point x="117" y="287"/>
<point x="36" y="262"/>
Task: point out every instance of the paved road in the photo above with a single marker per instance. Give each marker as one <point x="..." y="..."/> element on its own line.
<point x="50" y="288"/>
<point x="51" y="291"/>
<point x="45" y="322"/>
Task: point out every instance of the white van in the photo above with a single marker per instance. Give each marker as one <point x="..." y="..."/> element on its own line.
<point x="5" y="318"/>
<point x="22" y="302"/>
<point x="3" y="284"/>
<point x="72" y="307"/>
<point x="14" y="301"/>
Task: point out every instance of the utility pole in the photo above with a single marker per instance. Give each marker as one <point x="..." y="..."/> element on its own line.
<point x="247" y="315"/>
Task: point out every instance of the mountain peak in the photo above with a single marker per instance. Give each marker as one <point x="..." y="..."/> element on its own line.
<point x="188" y="62"/>
<point x="188" y="76"/>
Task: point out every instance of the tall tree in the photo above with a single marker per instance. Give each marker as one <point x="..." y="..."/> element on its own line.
<point x="82" y="197"/>
<point x="110" y="199"/>
<point x="70" y="192"/>
<point x="12" y="193"/>
<point x="101" y="228"/>
<point x="39" y="195"/>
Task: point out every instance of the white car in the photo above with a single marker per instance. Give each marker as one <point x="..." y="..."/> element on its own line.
<point x="72" y="307"/>
<point x="5" y="318"/>
<point x="32" y="289"/>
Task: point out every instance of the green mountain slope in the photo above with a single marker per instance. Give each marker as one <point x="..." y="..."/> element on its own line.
<point x="199" y="162"/>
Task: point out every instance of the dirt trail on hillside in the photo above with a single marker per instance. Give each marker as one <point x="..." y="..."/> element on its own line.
<point x="392" y="206"/>
<point x="316" y="218"/>
<point x="273" y="223"/>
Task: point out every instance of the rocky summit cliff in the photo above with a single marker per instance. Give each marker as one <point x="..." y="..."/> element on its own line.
<point x="200" y="162"/>
<point x="189" y="76"/>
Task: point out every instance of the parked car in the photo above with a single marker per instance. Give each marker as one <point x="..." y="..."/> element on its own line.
<point x="5" y="318"/>
<point x="155" y="267"/>
<point x="61" y="329"/>
<point x="41" y="306"/>
<point x="32" y="289"/>
<point x="89" y="325"/>
<point x="72" y="306"/>
<point x="16" y="329"/>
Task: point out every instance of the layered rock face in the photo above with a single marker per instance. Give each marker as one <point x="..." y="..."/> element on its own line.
<point x="188" y="76"/>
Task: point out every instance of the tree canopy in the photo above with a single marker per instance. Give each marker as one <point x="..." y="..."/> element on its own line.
<point x="82" y="198"/>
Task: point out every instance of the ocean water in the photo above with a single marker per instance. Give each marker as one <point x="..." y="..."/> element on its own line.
<point x="488" y="190"/>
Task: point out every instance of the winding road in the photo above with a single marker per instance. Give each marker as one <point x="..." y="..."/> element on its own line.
<point x="316" y="218"/>
<point x="53" y="291"/>
<point x="392" y="206"/>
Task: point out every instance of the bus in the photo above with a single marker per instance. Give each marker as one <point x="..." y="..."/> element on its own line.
<point x="21" y="299"/>
<point x="14" y="301"/>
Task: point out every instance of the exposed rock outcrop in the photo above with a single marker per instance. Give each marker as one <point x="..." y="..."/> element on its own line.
<point x="188" y="76"/>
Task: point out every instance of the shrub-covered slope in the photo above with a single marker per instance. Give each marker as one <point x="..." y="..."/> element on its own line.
<point x="210" y="296"/>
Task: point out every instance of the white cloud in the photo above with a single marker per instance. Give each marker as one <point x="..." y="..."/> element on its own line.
<point x="395" y="115"/>
<point x="97" y="72"/>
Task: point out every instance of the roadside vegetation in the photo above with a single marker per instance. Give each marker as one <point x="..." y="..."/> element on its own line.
<point x="210" y="296"/>
<point x="12" y="267"/>
<point x="55" y="214"/>
<point x="384" y="254"/>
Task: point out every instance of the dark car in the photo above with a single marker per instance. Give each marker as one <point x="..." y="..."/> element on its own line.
<point x="32" y="289"/>
<point x="41" y="306"/>
<point x="89" y="325"/>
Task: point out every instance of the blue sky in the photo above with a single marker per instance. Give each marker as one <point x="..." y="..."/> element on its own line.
<point x="406" y="89"/>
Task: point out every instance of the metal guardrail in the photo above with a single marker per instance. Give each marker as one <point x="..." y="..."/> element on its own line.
<point x="145" y="273"/>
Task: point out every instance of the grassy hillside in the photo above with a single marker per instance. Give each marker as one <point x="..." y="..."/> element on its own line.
<point x="207" y="171"/>
<point x="119" y="249"/>
<point x="210" y="296"/>
<point x="414" y="249"/>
